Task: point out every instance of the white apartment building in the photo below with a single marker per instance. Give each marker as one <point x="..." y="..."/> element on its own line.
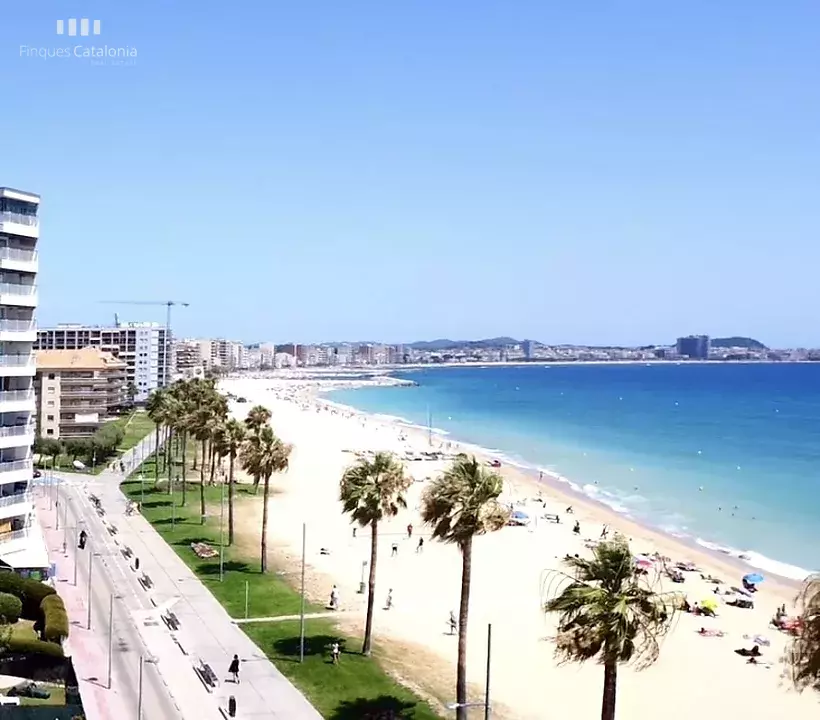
<point x="142" y="346"/>
<point x="22" y="546"/>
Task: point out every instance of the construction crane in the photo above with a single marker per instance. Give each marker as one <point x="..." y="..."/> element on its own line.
<point x="168" y="304"/>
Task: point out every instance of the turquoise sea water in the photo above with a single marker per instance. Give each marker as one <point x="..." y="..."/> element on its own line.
<point x="727" y="455"/>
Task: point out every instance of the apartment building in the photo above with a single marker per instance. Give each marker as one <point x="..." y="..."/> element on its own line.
<point x="143" y="347"/>
<point x="77" y="391"/>
<point x="22" y="546"/>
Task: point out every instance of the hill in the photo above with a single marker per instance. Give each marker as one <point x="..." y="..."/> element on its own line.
<point x="738" y="342"/>
<point x="444" y="344"/>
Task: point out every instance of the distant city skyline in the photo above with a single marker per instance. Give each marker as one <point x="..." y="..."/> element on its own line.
<point x="609" y="176"/>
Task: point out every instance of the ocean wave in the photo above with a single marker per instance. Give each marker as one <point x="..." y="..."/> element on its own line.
<point x="757" y="560"/>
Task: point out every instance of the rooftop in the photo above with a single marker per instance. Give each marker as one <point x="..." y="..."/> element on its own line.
<point x="15" y="194"/>
<point x="89" y="358"/>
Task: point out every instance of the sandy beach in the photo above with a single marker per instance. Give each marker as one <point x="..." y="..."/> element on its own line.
<point x="695" y="675"/>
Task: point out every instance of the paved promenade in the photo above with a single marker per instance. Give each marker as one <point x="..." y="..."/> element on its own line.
<point x="206" y="633"/>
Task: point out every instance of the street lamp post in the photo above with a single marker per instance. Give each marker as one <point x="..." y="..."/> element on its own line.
<point x="302" y="610"/>
<point x="90" y="568"/>
<point x="486" y="702"/>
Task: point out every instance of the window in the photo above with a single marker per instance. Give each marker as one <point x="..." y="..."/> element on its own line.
<point x="50" y="418"/>
<point x="50" y="390"/>
<point x="50" y="403"/>
<point x="49" y="431"/>
<point x="51" y="376"/>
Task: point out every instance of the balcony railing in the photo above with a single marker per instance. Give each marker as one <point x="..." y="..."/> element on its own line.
<point x="18" y="254"/>
<point x="17" y="325"/>
<point x="16" y="430"/>
<point x="13" y="535"/>
<point x="20" y="360"/>
<point x="20" y="218"/>
<point x="16" y="395"/>
<point x="6" y="500"/>
<point x="12" y="465"/>
<point x="17" y="289"/>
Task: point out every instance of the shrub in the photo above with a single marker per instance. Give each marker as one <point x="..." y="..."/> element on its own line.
<point x="55" y="619"/>
<point x="32" y="647"/>
<point x="10" y="608"/>
<point x="31" y="593"/>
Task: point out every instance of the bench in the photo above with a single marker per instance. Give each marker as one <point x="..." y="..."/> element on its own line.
<point x="204" y="551"/>
<point x="207" y="676"/>
<point x="551" y="517"/>
<point x="171" y="620"/>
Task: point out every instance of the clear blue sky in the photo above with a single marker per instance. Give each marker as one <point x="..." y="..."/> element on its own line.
<point x="614" y="172"/>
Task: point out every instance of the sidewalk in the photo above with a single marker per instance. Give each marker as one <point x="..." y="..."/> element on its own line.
<point x="206" y="631"/>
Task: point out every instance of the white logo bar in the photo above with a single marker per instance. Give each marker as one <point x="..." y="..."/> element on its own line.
<point x="85" y="24"/>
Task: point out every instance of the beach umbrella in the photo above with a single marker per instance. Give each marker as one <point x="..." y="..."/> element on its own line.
<point x="753" y="578"/>
<point x="643" y="562"/>
<point x="709" y="603"/>
<point x="520" y="515"/>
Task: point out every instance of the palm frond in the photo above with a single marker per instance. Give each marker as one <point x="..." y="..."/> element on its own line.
<point x="803" y="653"/>
<point x="373" y="489"/>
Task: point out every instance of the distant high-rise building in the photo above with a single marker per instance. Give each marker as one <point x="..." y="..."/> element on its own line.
<point x="142" y="346"/>
<point x="695" y="347"/>
<point x="529" y="349"/>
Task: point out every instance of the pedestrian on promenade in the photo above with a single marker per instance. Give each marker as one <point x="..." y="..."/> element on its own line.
<point x="83" y="538"/>
<point x="233" y="669"/>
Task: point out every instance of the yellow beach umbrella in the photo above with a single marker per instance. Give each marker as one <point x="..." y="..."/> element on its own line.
<point x="709" y="603"/>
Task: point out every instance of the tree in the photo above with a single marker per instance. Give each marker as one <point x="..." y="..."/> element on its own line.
<point x="459" y="505"/>
<point x="156" y="406"/>
<point x="606" y="611"/>
<point x="230" y="443"/>
<point x="803" y="654"/>
<point x="262" y="455"/>
<point x="131" y="392"/>
<point x="258" y="418"/>
<point x="370" y="491"/>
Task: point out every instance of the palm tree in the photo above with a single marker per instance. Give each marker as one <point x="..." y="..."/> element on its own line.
<point x="258" y="417"/>
<point x="459" y="505"/>
<point x="372" y="490"/>
<point x="803" y="655"/>
<point x="230" y="444"/>
<point x="156" y="406"/>
<point x="607" y="612"/>
<point x="262" y="455"/>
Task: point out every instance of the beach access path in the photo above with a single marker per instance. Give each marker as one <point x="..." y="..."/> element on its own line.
<point x="205" y="632"/>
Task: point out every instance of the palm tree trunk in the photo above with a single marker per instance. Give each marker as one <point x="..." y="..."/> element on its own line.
<point x="169" y="465"/>
<point x="610" y="690"/>
<point x="184" y="469"/>
<point x="230" y="499"/>
<point x="213" y="467"/>
<point x="156" y="455"/>
<point x="463" y="612"/>
<point x="202" y="485"/>
<point x="264" y="563"/>
<point x="371" y="588"/>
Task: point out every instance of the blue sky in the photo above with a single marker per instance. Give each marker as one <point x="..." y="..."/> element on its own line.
<point x="617" y="172"/>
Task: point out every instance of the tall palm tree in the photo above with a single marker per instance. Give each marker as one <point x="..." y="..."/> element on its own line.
<point x="230" y="443"/>
<point x="606" y="611"/>
<point x="155" y="407"/>
<point x="370" y="491"/>
<point x="258" y="418"/>
<point x="459" y="505"/>
<point x="803" y="654"/>
<point x="262" y="455"/>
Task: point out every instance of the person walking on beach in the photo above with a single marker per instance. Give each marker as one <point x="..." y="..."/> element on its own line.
<point x="389" y="602"/>
<point x="335" y="653"/>
<point x="334" y="598"/>
<point x="577" y="528"/>
<point x="233" y="669"/>
<point x="604" y="532"/>
<point x="453" y="623"/>
<point x="420" y="546"/>
<point x="394" y="550"/>
<point x="409" y="531"/>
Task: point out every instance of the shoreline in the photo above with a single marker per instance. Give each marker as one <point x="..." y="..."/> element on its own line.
<point x="736" y="558"/>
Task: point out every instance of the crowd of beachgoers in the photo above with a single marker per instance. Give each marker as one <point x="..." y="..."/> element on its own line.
<point x="723" y="656"/>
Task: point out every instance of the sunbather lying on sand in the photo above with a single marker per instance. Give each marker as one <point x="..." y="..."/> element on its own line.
<point x="711" y="632"/>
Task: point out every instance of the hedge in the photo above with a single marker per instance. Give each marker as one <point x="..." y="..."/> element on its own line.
<point x="28" y="646"/>
<point x="10" y="608"/>
<point x="55" y="619"/>
<point x="31" y="593"/>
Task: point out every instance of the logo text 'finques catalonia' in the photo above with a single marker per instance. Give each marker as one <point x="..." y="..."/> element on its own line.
<point x="72" y="27"/>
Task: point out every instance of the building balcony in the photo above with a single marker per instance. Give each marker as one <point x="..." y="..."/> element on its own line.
<point x="16" y="471"/>
<point x="17" y="365"/>
<point x="18" y="294"/>
<point x="17" y="401"/>
<point x="18" y="331"/>
<point x="8" y="537"/>
<point x="17" y="436"/>
<point x="19" y="260"/>
<point x="16" y="504"/>
<point x="20" y="224"/>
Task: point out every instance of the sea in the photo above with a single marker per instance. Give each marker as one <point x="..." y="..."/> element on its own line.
<point x="725" y="455"/>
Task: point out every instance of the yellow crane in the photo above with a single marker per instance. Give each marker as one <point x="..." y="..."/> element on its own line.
<point x="168" y="336"/>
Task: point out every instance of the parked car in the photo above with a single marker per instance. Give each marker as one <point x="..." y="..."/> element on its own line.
<point x="30" y="690"/>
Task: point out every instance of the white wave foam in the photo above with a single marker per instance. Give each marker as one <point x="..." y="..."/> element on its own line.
<point x="756" y="560"/>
